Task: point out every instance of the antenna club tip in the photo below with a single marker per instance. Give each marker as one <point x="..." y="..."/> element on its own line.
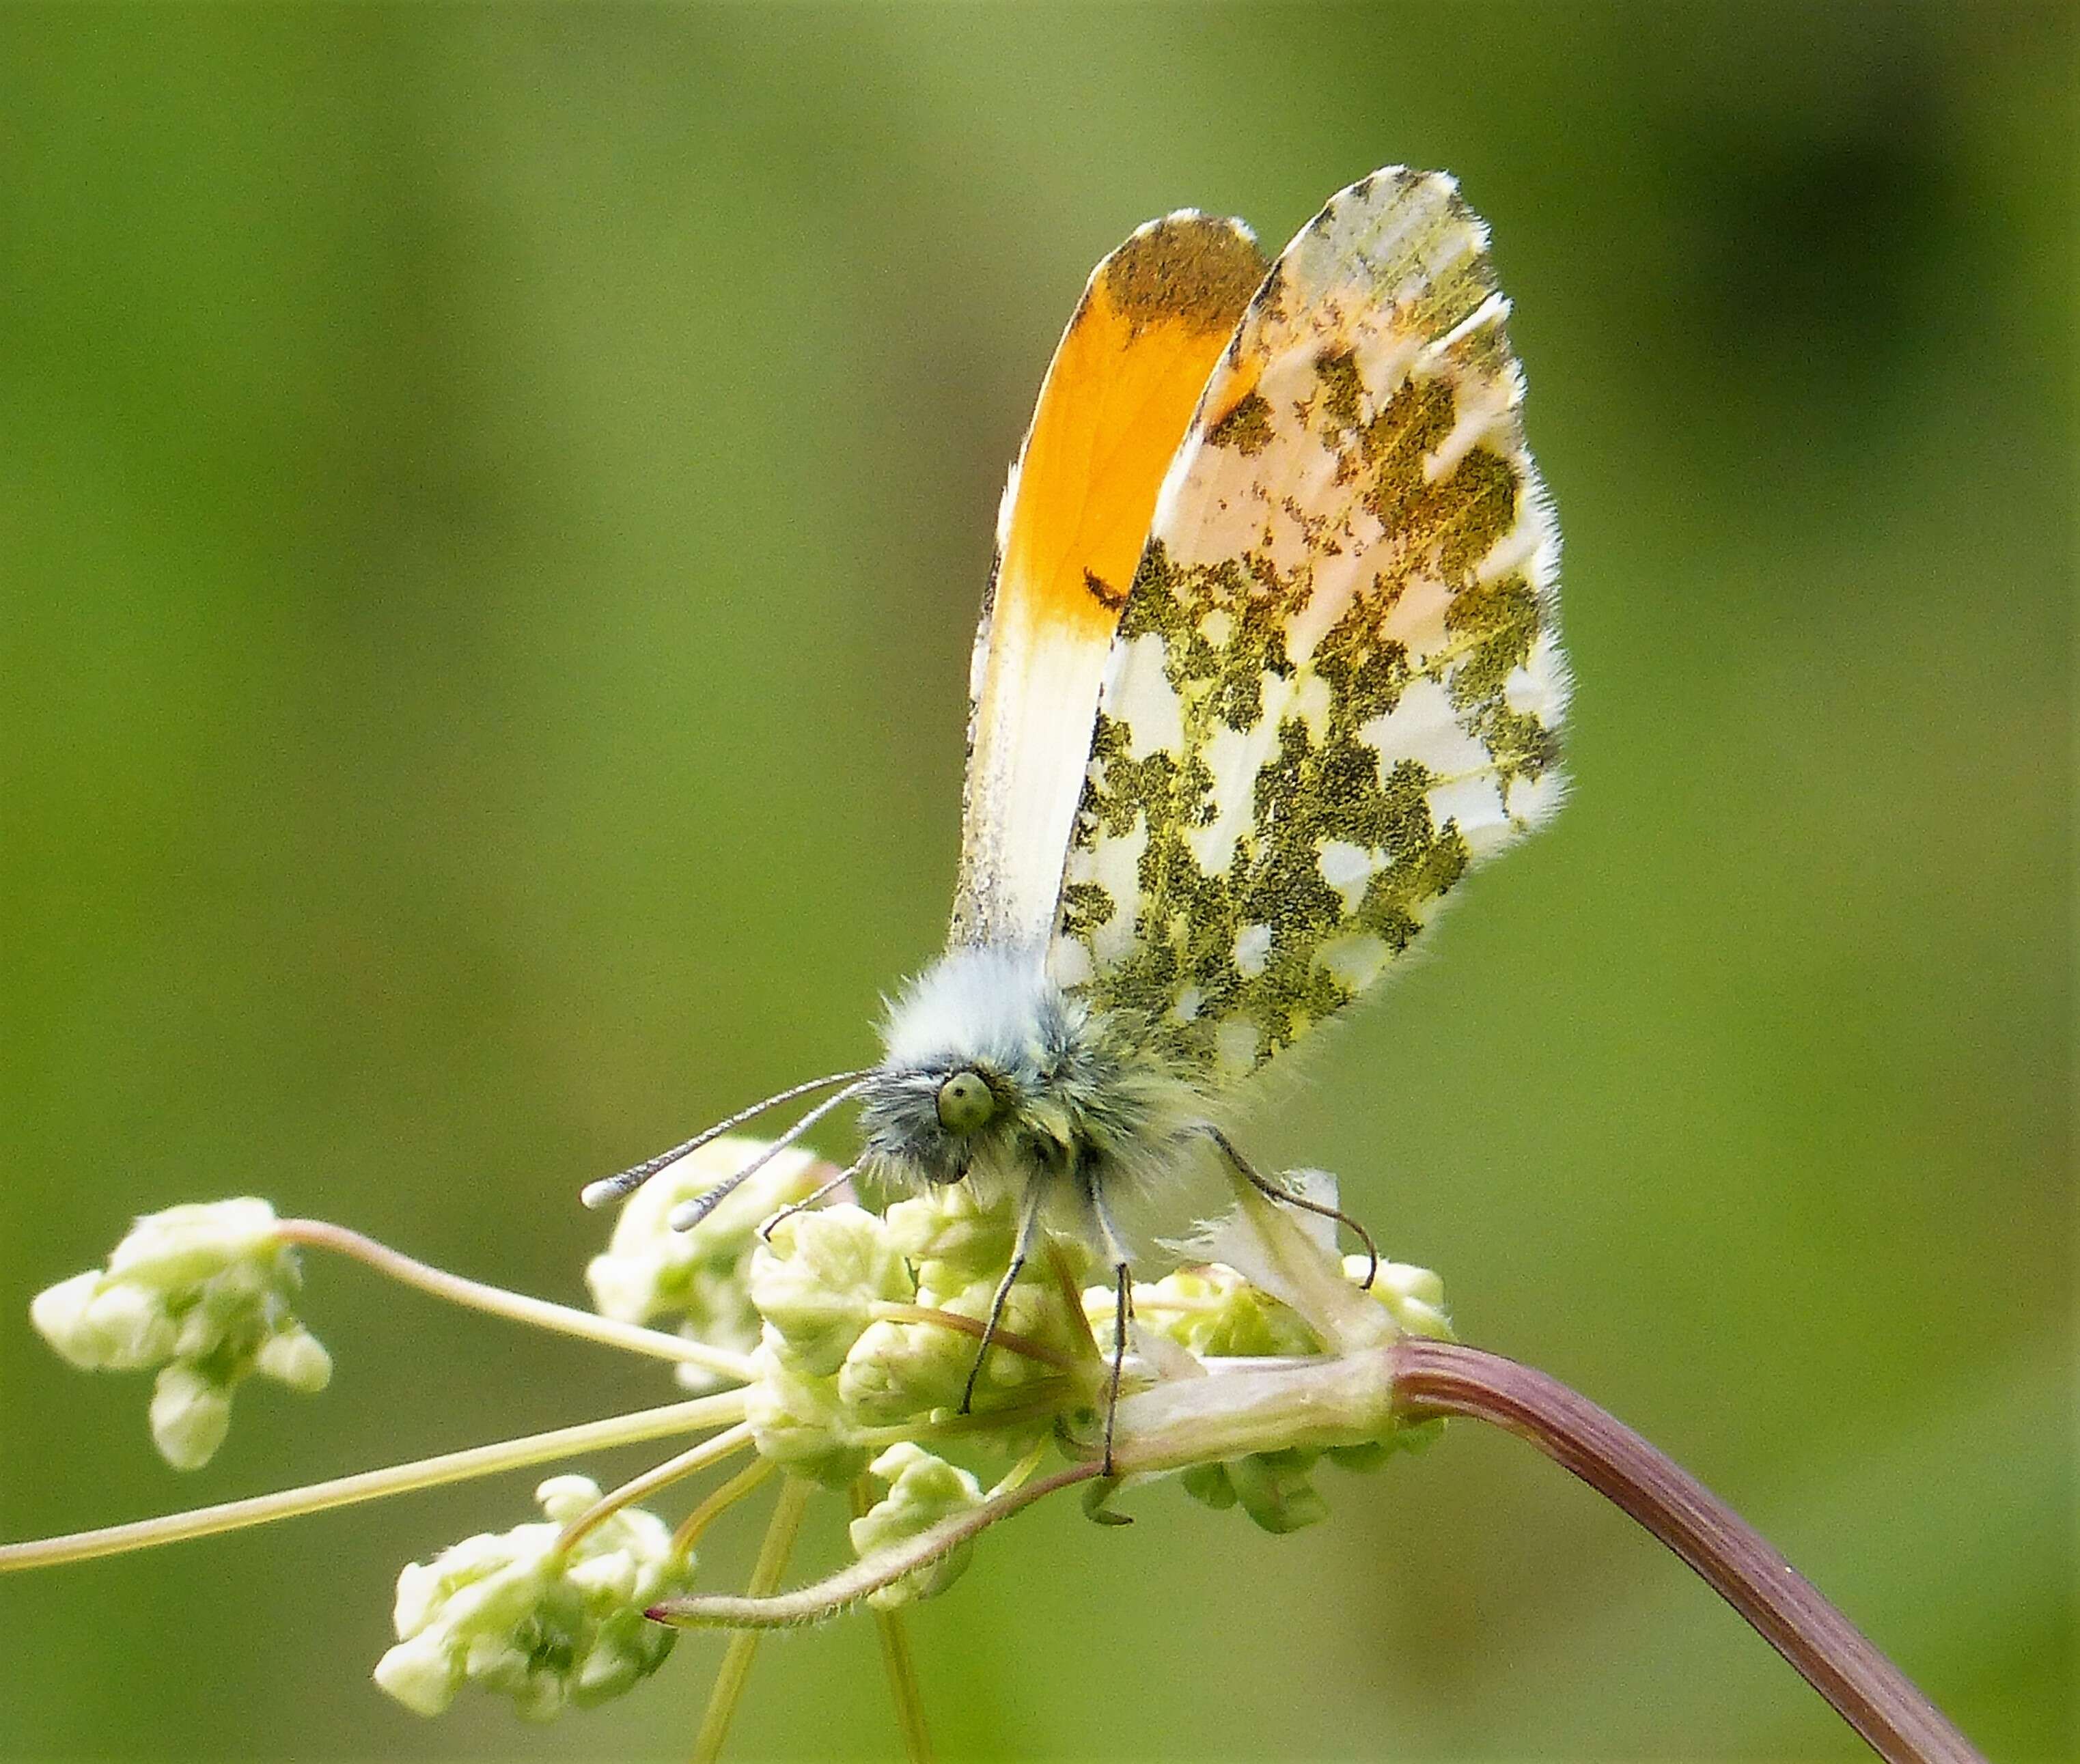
<point x="596" y="1195"/>
<point x="689" y="1213"/>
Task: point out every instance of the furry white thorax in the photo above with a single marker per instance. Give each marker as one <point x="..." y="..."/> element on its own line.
<point x="1084" y="1108"/>
<point x="987" y="1003"/>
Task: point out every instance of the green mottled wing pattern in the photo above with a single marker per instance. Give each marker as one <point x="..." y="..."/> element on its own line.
<point x="1337" y="684"/>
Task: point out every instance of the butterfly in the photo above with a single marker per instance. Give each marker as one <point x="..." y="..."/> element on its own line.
<point x="1267" y="661"/>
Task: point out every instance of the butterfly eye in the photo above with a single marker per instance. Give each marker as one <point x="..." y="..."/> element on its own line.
<point x="965" y="1102"/>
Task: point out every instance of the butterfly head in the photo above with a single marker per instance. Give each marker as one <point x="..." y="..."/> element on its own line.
<point x="931" y="1125"/>
<point x="965" y="1087"/>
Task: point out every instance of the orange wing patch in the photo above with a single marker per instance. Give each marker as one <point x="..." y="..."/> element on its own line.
<point x="1118" y="399"/>
<point x="1116" y="403"/>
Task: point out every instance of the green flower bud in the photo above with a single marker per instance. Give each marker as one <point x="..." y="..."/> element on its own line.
<point x="1409" y="1436"/>
<point x="922" y="1490"/>
<point x="1274" y="1490"/>
<point x="651" y="1274"/>
<point x="204" y="1292"/>
<point x="509" y="1612"/>
<point x="1209" y="1484"/>
<point x="801" y="1421"/>
<point x="952" y="1238"/>
<point x="817" y="1280"/>
<point x="900" y="1372"/>
<point x="1213" y="1310"/>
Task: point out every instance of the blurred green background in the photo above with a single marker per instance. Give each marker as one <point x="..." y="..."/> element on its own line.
<point x="495" y="505"/>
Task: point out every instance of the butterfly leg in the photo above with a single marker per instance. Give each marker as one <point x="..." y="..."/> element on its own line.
<point x="1122" y="1310"/>
<point x="807" y="1201"/>
<point x="1028" y="1234"/>
<point x="1264" y="1185"/>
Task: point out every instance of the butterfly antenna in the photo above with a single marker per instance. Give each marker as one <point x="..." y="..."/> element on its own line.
<point x="808" y="1200"/>
<point x="689" y="1213"/>
<point x="1321" y="1209"/>
<point x="612" y="1188"/>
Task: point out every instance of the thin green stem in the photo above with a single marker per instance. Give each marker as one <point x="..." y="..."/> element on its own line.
<point x="1021" y="1473"/>
<point x="773" y="1554"/>
<point x="518" y="1307"/>
<point x="725" y="1407"/>
<point x="895" y="1659"/>
<point x="688" y="1463"/>
<point x="695" y="1524"/>
<point x="1049" y="1394"/>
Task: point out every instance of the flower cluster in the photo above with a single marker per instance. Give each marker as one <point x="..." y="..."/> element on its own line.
<point x="872" y="1323"/>
<point x="202" y="1293"/>
<point x="522" y="1613"/>
<point x="845" y="1347"/>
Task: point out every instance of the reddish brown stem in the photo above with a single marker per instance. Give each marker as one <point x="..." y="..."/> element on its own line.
<point x="1870" y="1693"/>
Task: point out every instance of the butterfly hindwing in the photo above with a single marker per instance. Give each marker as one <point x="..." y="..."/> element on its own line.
<point x="1337" y="682"/>
<point x="1123" y="385"/>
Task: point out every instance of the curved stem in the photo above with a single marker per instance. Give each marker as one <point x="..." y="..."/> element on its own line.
<point x="724" y="1407"/>
<point x="1435" y="1378"/>
<point x="695" y="1459"/>
<point x="695" y="1526"/>
<point x="518" y="1307"/>
<point x="756" y="1610"/>
<point x="889" y="1312"/>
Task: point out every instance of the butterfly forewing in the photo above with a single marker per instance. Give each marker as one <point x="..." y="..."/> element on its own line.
<point x="1124" y="381"/>
<point x="1337" y="684"/>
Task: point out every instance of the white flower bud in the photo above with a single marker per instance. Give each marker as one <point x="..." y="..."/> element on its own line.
<point x="190" y="1414"/>
<point x="801" y="1421"/>
<point x="644" y="1272"/>
<point x="186" y="1244"/>
<point x="818" y="1278"/>
<point x="295" y="1358"/>
<point x="952" y="1238"/>
<point x="1414" y="1296"/>
<point x="421" y="1674"/>
<point x="651" y="1274"/>
<point x="99" y="1327"/>
<point x="896" y="1372"/>
<point x="922" y="1491"/>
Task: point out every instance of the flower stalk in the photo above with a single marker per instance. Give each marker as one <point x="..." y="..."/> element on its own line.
<point x="781" y="1532"/>
<point x="724" y="1408"/>
<point x="901" y="1670"/>
<point x="1419" y="1380"/>
<point x="1434" y="1379"/>
<point x="693" y="1459"/>
<point x="515" y="1307"/>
